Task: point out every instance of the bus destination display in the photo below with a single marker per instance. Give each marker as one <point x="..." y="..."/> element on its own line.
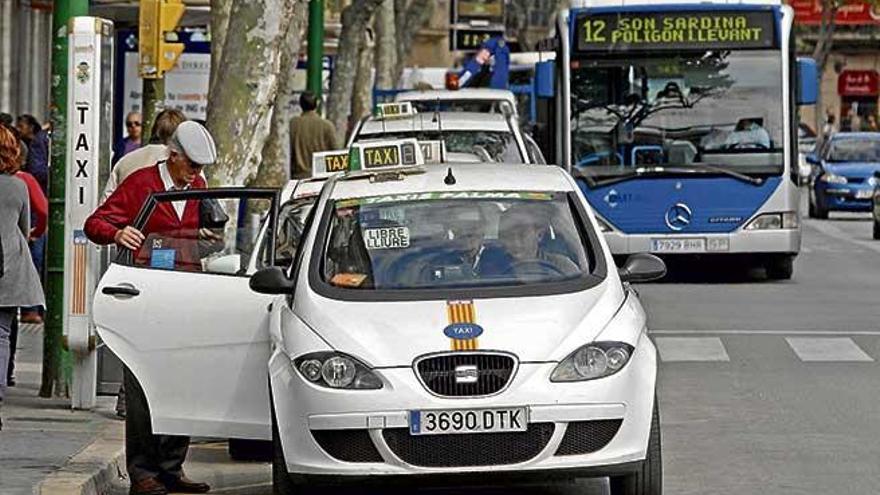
<point x="644" y="31"/>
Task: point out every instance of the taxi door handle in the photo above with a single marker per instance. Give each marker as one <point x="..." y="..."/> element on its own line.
<point x="121" y="290"/>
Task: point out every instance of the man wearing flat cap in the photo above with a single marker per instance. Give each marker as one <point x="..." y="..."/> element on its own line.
<point x="155" y="462"/>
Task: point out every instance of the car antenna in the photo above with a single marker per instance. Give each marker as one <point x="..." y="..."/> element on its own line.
<point x="438" y="120"/>
<point x="449" y="180"/>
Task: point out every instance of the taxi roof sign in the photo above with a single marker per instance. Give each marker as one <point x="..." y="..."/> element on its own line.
<point x="397" y="110"/>
<point x="326" y="163"/>
<point x="433" y="151"/>
<point x="371" y="155"/>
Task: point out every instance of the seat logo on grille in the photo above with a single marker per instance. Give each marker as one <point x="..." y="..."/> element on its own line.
<point x="467" y="373"/>
<point x="463" y="331"/>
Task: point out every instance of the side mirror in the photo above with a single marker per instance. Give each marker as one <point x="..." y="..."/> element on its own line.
<point x="642" y="267"/>
<point x="271" y="280"/>
<point x="545" y="84"/>
<point x="877" y="174"/>
<point x="808" y="81"/>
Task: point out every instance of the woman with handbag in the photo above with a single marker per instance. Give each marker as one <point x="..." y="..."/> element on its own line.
<point x="19" y="281"/>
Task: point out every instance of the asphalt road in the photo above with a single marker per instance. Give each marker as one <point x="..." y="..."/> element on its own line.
<point x="767" y="387"/>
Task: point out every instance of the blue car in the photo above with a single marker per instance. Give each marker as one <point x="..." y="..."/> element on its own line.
<point x="843" y="173"/>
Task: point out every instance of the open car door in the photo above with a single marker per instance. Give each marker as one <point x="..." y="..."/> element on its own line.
<point x="180" y="315"/>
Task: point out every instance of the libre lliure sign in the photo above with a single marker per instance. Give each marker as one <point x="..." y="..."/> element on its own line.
<point x="644" y="31"/>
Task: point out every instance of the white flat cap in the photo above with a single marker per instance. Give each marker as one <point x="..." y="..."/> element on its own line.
<point x="195" y="142"/>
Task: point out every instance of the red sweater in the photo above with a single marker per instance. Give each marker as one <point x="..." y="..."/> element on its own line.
<point x="39" y="204"/>
<point x="163" y="228"/>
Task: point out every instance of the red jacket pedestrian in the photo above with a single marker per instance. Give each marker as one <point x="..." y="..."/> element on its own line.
<point x="169" y="240"/>
<point x="39" y="204"/>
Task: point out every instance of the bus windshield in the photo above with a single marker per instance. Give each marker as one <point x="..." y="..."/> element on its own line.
<point x="718" y="108"/>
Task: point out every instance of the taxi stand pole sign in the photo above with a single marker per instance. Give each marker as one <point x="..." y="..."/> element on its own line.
<point x="89" y="99"/>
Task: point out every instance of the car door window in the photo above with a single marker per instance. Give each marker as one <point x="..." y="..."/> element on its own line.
<point x="291" y="224"/>
<point x="213" y="232"/>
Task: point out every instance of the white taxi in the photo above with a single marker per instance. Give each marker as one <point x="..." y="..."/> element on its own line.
<point x="468" y="136"/>
<point x="431" y="322"/>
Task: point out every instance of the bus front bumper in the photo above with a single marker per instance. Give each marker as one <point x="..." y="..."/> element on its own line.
<point x="780" y="241"/>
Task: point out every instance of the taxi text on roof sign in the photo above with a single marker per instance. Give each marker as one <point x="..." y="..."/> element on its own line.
<point x="644" y="31"/>
<point x="369" y="155"/>
<point x="397" y="110"/>
<point x="329" y="162"/>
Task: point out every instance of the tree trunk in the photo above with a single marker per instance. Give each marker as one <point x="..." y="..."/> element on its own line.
<point x="410" y="17"/>
<point x="240" y="105"/>
<point x="220" y="10"/>
<point x="274" y="168"/>
<point x="362" y="98"/>
<point x="355" y="18"/>
<point x="386" y="46"/>
<point x="822" y="51"/>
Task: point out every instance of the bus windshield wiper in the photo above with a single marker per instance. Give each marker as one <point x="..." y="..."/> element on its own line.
<point x="661" y="170"/>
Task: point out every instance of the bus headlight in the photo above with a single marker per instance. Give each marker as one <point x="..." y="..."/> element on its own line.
<point x="830" y="178"/>
<point x="775" y="221"/>
<point x="873" y="181"/>
<point x="603" y="225"/>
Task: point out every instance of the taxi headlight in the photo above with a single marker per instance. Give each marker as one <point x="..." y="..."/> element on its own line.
<point x="595" y="360"/>
<point x="336" y="370"/>
<point x="833" y="178"/>
<point x="774" y="221"/>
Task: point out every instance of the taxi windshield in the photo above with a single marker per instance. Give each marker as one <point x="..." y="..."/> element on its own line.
<point x="453" y="240"/>
<point x="483" y="146"/>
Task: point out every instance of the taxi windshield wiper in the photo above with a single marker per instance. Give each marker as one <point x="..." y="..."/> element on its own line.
<point x="662" y="170"/>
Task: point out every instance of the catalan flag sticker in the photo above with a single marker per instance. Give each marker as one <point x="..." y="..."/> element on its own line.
<point x="79" y="290"/>
<point x="463" y="331"/>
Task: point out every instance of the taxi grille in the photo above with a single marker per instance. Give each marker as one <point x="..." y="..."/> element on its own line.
<point x="348" y="445"/>
<point x="468" y="449"/>
<point x="493" y="370"/>
<point x="584" y="437"/>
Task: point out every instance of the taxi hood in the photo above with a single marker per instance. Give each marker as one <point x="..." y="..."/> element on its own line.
<point x="388" y="334"/>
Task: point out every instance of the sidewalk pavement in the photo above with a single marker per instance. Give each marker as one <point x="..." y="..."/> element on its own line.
<point x="48" y="449"/>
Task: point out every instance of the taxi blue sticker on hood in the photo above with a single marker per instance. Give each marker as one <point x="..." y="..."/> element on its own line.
<point x="463" y="331"/>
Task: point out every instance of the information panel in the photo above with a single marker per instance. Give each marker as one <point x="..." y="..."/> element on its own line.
<point x="650" y="31"/>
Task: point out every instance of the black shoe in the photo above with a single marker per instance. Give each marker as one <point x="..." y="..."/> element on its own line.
<point x="10" y="381"/>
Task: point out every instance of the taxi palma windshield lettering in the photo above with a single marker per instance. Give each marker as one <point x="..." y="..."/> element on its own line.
<point x="675" y="31"/>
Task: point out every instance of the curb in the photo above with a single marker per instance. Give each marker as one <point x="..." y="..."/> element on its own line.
<point x="93" y="469"/>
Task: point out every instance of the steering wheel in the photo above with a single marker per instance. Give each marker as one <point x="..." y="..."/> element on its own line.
<point x="736" y="146"/>
<point x="534" y="267"/>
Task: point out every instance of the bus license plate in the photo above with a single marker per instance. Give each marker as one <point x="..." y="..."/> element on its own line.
<point x="691" y="245"/>
<point x="468" y="421"/>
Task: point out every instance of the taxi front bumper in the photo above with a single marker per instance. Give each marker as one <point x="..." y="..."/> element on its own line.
<point x="356" y="433"/>
<point x="781" y="241"/>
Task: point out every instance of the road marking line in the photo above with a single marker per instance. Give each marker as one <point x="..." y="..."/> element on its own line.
<point x="827" y="349"/>
<point x="873" y="333"/>
<point x="691" y="349"/>
<point x="832" y="231"/>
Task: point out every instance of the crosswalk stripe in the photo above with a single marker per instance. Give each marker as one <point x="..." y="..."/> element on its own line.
<point x="827" y="349"/>
<point x="691" y="349"/>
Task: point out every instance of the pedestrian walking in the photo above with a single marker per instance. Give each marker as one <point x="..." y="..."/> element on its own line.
<point x="19" y="283"/>
<point x="309" y="133"/>
<point x="132" y="141"/>
<point x="157" y="150"/>
<point x="871" y="124"/>
<point x="37" y="140"/>
<point x="155" y="462"/>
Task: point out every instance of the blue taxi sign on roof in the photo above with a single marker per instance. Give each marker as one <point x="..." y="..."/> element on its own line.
<point x="387" y="111"/>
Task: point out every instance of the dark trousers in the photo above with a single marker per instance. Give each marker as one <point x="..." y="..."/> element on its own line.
<point x="148" y="455"/>
<point x="13" y="342"/>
